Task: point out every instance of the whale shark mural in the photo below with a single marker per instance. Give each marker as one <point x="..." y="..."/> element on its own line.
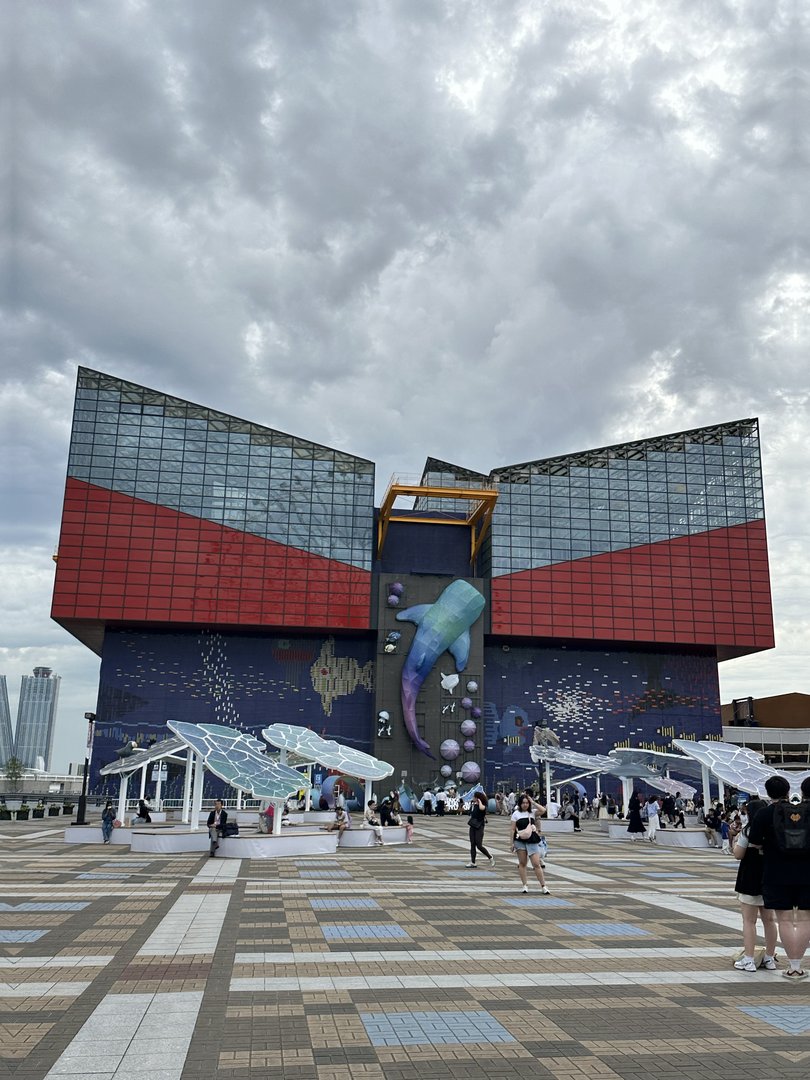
<point x="443" y="626"/>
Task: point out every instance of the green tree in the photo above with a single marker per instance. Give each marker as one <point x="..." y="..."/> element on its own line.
<point x="14" y="770"/>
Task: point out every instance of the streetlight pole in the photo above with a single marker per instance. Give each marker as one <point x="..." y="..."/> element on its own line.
<point x="90" y="717"/>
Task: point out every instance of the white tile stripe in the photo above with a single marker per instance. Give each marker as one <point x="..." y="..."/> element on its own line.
<point x="730" y="919"/>
<point x="131" y="1035"/>
<point x="54" y="961"/>
<point x="192" y="927"/>
<point x="42" y="989"/>
<point x="220" y="870"/>
<point x="488" y="980"/>
<point x="478" y="955"/>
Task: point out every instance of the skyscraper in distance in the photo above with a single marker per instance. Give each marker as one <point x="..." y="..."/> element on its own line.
<point x="36" y="716"/>
<point x="6" y="734"/>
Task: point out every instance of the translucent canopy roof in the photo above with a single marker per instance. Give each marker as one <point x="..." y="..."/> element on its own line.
<point x="655" y="759"/>
<point x="168" y="748"/>
<point x="308" y="747"/>
<point x="737" y="765"/>
<point x="626" y="764"/>
<point x="238" y="759"/>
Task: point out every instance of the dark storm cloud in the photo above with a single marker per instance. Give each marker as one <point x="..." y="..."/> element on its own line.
<point x="486" y="231"/>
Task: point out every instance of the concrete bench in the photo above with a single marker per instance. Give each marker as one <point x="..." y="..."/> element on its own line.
<point x="556" y="825"/>
<point x="92" y="834"/>
<point x="361" y="838"/>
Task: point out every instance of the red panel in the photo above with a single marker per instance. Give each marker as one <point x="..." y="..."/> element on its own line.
<point x="213" y="574"/>
<point x="697" y="580"/>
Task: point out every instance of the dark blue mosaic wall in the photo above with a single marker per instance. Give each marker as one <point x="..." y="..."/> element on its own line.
<point x="244" y="680"/>
<point x="593" y="699"/>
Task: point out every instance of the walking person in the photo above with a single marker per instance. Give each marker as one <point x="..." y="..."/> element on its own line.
<point x="783" y="832"/>
<point x="427" y="802"/>
<point x="441" y="802"/>
<point x="526" y="840"/>
<point x="749" y="892"/>
<point x="477" y="821"/>
<point x="216" y="824"/>
<point x="107" y="820"/>
<point x="635" y="825"/>
<point x="653" y="820"/>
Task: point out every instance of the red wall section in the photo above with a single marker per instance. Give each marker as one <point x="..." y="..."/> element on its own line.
<point x="708" y="589"/>
<point x="122" y="558"/>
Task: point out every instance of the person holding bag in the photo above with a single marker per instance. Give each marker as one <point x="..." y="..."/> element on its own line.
<point x="526" y="840"/>
<point x="477" y="821"/>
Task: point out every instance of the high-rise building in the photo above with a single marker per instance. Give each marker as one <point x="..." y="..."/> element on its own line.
<point x="229" y="572"/>
<point x="6" y="733"/>
<point x="36" y="718"/>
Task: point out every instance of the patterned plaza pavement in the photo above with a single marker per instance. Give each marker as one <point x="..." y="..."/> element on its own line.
<point x="384" y="964"/>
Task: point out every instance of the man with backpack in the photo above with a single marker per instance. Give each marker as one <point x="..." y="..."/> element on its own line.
<point x="782" y="830"/>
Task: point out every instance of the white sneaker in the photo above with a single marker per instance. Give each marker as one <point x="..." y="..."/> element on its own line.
<point x="769" y="963"/>
<point x="545" y="891"/>
<point x="492" y="862"/>
<point x="745" y="963"/>
<point x="525" y="888"/>
<point x="470" y="865"/>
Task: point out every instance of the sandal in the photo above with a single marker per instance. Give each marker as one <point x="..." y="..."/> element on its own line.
<point x="793" y="974"/>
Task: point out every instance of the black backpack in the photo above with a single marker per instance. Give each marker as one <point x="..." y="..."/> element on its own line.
<point x="791" y="826"/>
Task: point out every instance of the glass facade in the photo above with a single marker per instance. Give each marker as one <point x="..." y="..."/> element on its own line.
<point x="640" y="493"/>
<point x="213" y="466"/>
<point x="180" y="514"/>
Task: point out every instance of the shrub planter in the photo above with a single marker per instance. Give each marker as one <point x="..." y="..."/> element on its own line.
<point x="38" y="813"/>
<point x="67" y="808"/>
<point x="5" y="815"/>
<point x="53" y="811"/>
<point x="22" y="815"/>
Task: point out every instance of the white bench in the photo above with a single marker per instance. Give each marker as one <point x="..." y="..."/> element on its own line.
<point x="92" y="834"/>
<point x="556" y="825"/>
<point x="360" y="838"/>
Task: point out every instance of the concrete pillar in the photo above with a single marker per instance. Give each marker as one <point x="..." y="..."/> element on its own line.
<point x="158" y="786"/>
<point x="122" y="799"/>
<point x="308" y="794"/>
<point x="627" y="791"/>
<point x="707" y="789"/>
<point x="239" y="794"/>
<point x="366" y="795"/>
<point x="187" y="787"/>
<point x="196" y="799"/>
<point x="278" y="807"/>
<point x="548" y="780"/>
<point x="143" y="782"/>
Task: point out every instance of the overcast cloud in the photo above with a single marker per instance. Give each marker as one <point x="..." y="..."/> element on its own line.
<point x="488" y="231"/>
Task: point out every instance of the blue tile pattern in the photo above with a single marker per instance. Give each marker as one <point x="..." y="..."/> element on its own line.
<point x="604" y="929"/>
<point x="17" y="937"/>
<point x="73" y="905"/>
<point x="318" y="862"/>
<point x="337" y="903"/>
<point x="363" y="931"/>
<point x="794" y="1019"/>
<point x="118" y="876"/>
<point x="665" y="875"/>
<point x="325" y="875"/>
<point x="431" y="1028"/>
<point x="539" y="901"/>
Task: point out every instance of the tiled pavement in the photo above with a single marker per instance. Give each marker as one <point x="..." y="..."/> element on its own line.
<point x="385" y="964"/>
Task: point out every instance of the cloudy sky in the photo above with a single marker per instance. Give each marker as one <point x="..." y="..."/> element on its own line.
<point x="579" y="221"/>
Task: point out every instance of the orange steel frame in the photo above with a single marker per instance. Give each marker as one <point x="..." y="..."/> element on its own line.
<point x="477" y="521"/>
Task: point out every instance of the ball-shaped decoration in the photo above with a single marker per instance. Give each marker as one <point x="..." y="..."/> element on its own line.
<point x="449" y="749"/>
<point x="470" y="772"/>
<point x="475" y="712"/>
<point x="393" y="600"/>
<point x="384" y="714"/>
<point x="390" y="647"/>
<point x="393" y="636"/>
<point x="466" y="703"/>
<point x="446" y="771"/>
<point x="469" y="745"/>
<point x="472" y="687"/>
<point x="468" y="728"/>
<point x="397" y="589"/>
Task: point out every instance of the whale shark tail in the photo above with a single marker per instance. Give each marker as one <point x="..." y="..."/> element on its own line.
<point x="410" y="692"/>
